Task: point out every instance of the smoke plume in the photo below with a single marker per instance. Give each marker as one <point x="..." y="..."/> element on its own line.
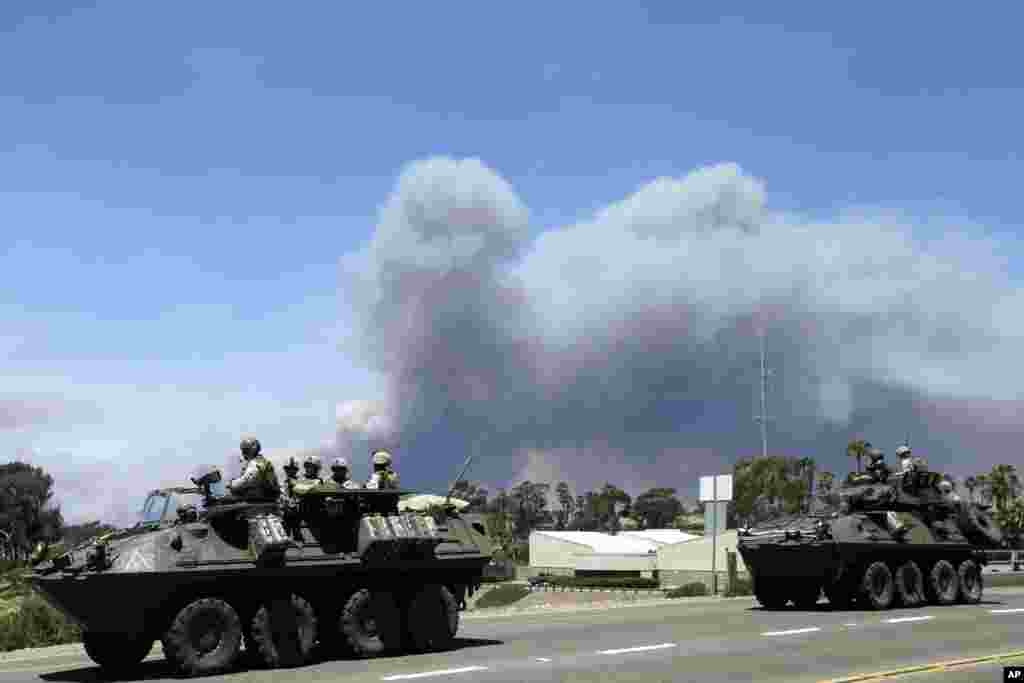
<point x="629" y="341"/>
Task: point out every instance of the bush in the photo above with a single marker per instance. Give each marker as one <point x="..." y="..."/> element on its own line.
<point x="36" y="624"/>
<point x="690" y="590"/>
<point x="499" y="596"/>
<point x="740" y="587"/>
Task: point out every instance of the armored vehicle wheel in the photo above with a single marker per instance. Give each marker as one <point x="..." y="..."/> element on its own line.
<point x="909" y="584"/>
<point x="371" y="623"/>
<point x="432" y="619"/>
<point x="877" y="586"/>
<point x="971" y="585"/>
<point x="116" y="652"/>
<point x="284" y="632"/>
<point x="943" y="583"/>
<point x="205" y="638"/>
<point x="769" y="594"/>
<point x="807" y="597"/>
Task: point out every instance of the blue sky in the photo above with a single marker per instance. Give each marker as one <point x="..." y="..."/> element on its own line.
<point x="178" y="182"/>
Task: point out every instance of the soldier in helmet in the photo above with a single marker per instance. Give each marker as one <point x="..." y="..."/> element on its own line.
<point x="258" y="479"/>
<point x="948" y="493"/>
<point x="339" y="473"/>
<point x="384" y="477"/>
<point x="311" y="466"/>
<point x="877" y="468"/>
<point x="909" y="462"/>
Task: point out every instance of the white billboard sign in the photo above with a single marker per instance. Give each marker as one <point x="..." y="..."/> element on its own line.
<point x="716" y="488"/>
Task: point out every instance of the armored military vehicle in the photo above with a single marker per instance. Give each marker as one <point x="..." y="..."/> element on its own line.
<point x="338" y="570"/>
<point x="896" y="539"/>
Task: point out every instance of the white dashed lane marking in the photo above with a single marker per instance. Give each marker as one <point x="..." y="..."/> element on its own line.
<point x="791" y="632"/>
<point x="1005" y="611"/>
<point x="901" y="620"/>
<point x="439" y="672"/>
<point x="641" y="648"/>
<point x="543" y="659"/>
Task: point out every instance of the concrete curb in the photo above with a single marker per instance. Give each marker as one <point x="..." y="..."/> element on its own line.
<point x="937" y="666"/>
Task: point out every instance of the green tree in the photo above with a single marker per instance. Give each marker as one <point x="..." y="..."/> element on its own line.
<point x="1005" y="485"/>
<point x="27" y="514"/>
<point x="1011" y="520"/>
<point x="530" y="501"/>
<point x="472" y="493"/>
<point x="857" y="449"/>
<point x="566" y="503"/>
<point x="657" y="508"/>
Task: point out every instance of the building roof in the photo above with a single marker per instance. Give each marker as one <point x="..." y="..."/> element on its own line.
<point x="624" y="543"/>
<point x="662" y="536"/>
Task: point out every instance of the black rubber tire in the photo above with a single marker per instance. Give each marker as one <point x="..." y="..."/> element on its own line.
<point x="431" y="619"/>
<point x="876" y="586"/>
<point x="182" y="651"/>
<point x="807" y="598"/>
<point x="116" y="653"/>
<point x="910" y="585"/>
<point x="366" y="639"/>
<point x="970" y="582"/>
<point x="284" y="632"/>
<point x="943" y="584"/>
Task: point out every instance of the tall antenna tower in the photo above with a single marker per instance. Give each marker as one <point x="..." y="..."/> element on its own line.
<point x="763" y="418"/>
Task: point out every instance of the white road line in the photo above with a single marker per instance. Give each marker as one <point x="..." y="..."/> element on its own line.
<point x="901" y="620"/>
<point x="439" y="672"/>
<point x="641" y="648"/>
<point x="543" y="659"/>
<point x="1006" y="611"/>
<point x="851" y="624"/>
<point x="791" y="632"/>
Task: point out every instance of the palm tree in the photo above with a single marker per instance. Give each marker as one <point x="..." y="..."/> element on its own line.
<point x="857" y="449"/>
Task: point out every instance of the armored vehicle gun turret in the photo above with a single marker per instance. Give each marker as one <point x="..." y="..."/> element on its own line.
<point x="210" y="576"/>
<point x="896" y="539"/>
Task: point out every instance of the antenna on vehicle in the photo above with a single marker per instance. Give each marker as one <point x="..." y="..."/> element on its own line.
<point x="465" y="467"/>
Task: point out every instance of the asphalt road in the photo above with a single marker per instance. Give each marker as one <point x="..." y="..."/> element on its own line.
<point x="700" y="640"/>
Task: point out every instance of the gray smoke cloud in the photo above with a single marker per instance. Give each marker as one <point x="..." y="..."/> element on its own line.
<point x="629" y="341"/>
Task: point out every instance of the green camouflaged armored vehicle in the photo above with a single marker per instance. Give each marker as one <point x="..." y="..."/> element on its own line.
<point x="897" y="539"/>
<point x="341" y="569"/>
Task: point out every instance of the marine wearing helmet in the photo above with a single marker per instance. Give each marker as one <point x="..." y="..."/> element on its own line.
<point x="908" y="461"/>
<point x="258" y="479"/>
<point x="877" y="467"/>
<point x="311" y="470"/>
<point x="383" y="477"/>
<point x="340" y="476"/>
<point x="948" y="493"/>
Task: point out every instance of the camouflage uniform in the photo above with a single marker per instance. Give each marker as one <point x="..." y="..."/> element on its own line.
<point x="383" y="476"/>
<point x="258" y="479"/>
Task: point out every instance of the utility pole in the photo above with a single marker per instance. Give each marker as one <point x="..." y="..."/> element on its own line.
<point x="763" y="418"/>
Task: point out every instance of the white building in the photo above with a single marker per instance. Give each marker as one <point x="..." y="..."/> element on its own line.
<point x="566" y="552"/>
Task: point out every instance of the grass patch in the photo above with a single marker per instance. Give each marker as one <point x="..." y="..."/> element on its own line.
<point x="500" y="596"/>
<point x="690" y="590"/>
<point x="35" y="624"/>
